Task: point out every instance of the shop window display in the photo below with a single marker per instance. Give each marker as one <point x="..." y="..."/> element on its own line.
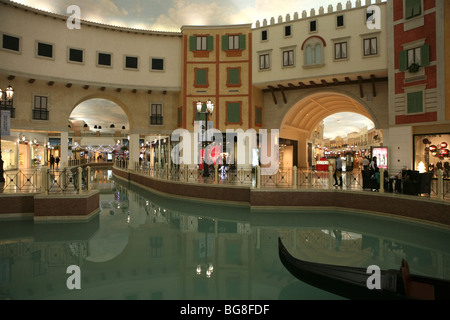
<point x="9" y="155"/>
<point x="431" y="153"/>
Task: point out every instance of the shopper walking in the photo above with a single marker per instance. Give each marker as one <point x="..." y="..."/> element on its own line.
<point x="338" y="172"/>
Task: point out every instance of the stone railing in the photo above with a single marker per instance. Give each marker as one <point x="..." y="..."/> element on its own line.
<point x="284" y="178"/>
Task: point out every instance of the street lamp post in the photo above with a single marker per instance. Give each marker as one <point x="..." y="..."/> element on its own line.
<point x="9" y="94"/>
<point x="209" y="110"/>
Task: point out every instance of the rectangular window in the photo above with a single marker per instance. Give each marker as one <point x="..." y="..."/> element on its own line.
<point x="156" y="244"/>
<point x="6" y="104"/>
<point x="233" y="42"/>
<point x="264" y="35"/>
<point x="340" y="50"/>
<point x="288" y="58"/>
<point x="180" y="117"/>
<point x="234" y="78"/>
<point x="414" y="56"/>
<point x="312" y="26"/>
<point x="201" y="43"/>
<point x="44" y="50"/>
<point x="201" y="77"/>
<point x="11" y="43"/>
<point x="104" y="59"/>
<point x="233" y="113"/>
<point x="75" y="55"/>
<point x="370" y="46"/>
<point x="157" y="64"/>
<point x="131" y="62"/>
<point x="156" y="116"/>
<point x="369" y="14"/>
<point x="419" y="55"/>
<point x="40" y="111"/>
<point x="287" y="31"/>
<point x="264" y="61"/>
<point x="415" y="102"/>
<point x="258" y="116"/>
<point x="340" y="21"/>
<point x="413" y="8"/>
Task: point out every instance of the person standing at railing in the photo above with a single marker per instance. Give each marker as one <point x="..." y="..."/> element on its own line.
<point x="52" y="162"/>
<point x="57" y="162"/>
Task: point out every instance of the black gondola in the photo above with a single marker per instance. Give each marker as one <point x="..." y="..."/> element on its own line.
<point x="351" y="282"/>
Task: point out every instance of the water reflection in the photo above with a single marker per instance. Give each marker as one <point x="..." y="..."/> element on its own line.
<point x="146" y="246"/>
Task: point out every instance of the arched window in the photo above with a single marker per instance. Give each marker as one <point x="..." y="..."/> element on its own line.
<point x="309" y="55"/>
<point x="313" y="50"/>
<point x="318" y="54"/>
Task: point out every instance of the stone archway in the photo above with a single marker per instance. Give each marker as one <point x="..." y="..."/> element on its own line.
<point x="99" y="127"/>
<point x="303" y="116"/>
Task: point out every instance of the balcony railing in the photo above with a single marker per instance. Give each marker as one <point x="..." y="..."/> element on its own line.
<point x="39" y="114"/>
<point x="6" y="106"/>
<point x="156" y="119"/>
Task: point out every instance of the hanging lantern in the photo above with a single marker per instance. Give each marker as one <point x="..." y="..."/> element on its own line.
<point x="443" y="145"/>
<point x="433" y="148"/>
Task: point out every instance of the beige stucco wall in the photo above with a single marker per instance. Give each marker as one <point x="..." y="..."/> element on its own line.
<point x="353" y="32"/>
<point x="31" y="27"/>
<point x="62" y="101"/>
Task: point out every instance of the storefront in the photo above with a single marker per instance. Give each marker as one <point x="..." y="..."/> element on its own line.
<point x="9" y="155"/>
<point x="431" y="152"/>
<point x="37" y="155"/>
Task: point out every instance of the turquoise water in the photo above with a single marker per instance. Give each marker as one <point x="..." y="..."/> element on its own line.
<point x="146" y="246"/>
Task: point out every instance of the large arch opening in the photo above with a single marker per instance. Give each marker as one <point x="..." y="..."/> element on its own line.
<point x="302" y="132"/>
<point x="98" y="130"/>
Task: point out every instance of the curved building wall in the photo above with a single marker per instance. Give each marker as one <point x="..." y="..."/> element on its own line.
<point x="34" y="26"/>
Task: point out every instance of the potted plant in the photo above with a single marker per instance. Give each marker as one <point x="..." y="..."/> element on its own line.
<point x="413" y="67"/>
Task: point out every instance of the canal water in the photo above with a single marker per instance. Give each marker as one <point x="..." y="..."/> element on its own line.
<point x="147" y="246"/>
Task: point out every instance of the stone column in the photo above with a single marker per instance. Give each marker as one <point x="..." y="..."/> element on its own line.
<point x="134" y="151"/>
<point x="64" y="151"/>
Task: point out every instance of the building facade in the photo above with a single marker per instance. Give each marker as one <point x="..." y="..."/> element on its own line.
<point x="418" y="106"/>
<point x="283" y="75"/>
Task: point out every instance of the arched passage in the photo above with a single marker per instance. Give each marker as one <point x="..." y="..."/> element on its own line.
<point x="98" y="127"/>
<point x="303" y="117"/>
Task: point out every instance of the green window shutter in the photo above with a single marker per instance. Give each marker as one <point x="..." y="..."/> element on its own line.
<point x="201" y="77"/>
<point x="233" y="76"/>
<point x="258" y="119"/>
<point x="408" y="9"/>
<point x="192" y="43"/>
<point x="417" y="7"/>
<point x="210" y="43"/>
<point x="425" y="55"/>
<point x="242" y="41"/>
<point x="415" y="102"/>
<point x="234" y="112"/>
<point x="403" y="60"/>
<point x="224" y="42"/>
<point x="180" y="115"/>
<point x="413" y="8"/>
